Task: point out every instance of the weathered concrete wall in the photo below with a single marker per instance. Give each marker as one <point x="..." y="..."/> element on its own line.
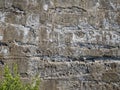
<point x="72" y="44"/>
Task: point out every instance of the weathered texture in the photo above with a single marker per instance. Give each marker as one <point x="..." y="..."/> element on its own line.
<point x="72" y="44"/>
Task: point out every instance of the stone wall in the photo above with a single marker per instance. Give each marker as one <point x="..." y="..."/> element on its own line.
<point x="71" y="44"/>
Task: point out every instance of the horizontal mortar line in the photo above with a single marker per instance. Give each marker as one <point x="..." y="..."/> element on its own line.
<point x="77" y="27"/>
<point x="52" y="78"/>
<point x="43" y="57"/>
<point x="97" y="44"/>
<point x="52" y="56"/>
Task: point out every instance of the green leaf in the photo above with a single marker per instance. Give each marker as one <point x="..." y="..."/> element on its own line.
<point x="13" y="81"/>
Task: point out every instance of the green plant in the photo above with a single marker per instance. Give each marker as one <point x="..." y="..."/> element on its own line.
<point x="12" y="81"/>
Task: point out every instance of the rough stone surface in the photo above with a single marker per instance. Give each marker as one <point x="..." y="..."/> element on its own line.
<point x="71" y="44"/>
